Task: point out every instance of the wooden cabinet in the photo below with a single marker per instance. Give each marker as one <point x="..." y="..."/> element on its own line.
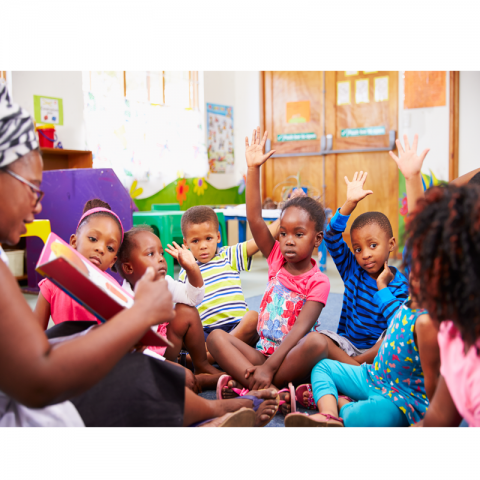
<point x="60" y="159"/>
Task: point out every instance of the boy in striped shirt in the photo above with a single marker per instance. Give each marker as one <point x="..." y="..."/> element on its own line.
<point x="373" y="290"/>
<point x="223" y="305"/>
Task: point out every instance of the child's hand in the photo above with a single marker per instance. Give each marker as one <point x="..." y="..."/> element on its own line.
<point x="260" y="377"/>
<point x="182" y="254"/>
<point x="409" y="163"/>
<point x="355" y="191"/>
<point x="254" y="152"/>
<point x="385" y="277"/>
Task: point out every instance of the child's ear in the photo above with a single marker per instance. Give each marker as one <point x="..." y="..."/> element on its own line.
<point x="391" y="244"/>
<point x="219" y="237"/>
<point x="73" y="241"/>
<point x="318" y="239"/>
<point x="127" y="268"/>
<point x="185" y="242"/>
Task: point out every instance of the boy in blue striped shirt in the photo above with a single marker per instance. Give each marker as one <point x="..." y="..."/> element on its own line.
<point x="373" y="290"/>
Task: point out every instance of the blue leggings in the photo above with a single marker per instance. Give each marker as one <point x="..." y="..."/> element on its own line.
<point x="370" y="410"/>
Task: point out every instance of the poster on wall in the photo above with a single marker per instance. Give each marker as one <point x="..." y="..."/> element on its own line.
<point x="48" y="110"/>
<point x="220" y="143"/>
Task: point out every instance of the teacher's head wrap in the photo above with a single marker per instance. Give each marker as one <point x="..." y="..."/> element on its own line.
<point x="17" y="134"/>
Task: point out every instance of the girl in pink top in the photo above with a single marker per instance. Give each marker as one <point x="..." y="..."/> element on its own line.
<point x="444" y="244"/>
<point x="297" y="291"/>
<point x="98" y="238"/>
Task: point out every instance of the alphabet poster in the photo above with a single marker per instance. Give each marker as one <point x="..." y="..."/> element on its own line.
<point x="220" y="138"/>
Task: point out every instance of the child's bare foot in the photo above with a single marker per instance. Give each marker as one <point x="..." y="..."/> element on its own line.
<point x="228" y="393"/>
<point x="316" y="420"/>
<point x="267" y="409"/>
<point x="286" y="407"/>
<point x="207" y="368"/>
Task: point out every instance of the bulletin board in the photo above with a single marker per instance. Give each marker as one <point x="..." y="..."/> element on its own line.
<point x="425" y="89"/>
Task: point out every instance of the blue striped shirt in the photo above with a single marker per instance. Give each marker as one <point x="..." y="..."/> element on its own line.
<point x="366" y="311"/>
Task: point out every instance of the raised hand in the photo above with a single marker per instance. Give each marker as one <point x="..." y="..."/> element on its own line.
<point x="254" y="152"/>
<point x="409" y="163"/>
<point x="385" y="277"/>
<point x="355" y="191"/>
<point x="182" y="254"/>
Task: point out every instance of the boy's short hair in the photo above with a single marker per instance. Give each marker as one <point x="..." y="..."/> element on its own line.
<point x="197" y="215"/>
<point x="127" y="246"/>
<point x="370" y="218"/>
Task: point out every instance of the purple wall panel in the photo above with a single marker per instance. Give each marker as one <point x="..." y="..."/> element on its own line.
<point x="66" y="192"/>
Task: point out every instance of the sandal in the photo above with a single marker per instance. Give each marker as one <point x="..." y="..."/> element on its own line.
<point x="299" y="396"/>
<point x="304" y="420"/>
<point x="293" y="403"/>
<point x="257" y="402"/>
<point x="222" y="385"/>
<point x="245" y="417"/>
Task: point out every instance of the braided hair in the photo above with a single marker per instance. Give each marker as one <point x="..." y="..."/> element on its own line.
<point x="443" y="248"/>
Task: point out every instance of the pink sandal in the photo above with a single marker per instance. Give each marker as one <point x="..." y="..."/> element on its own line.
<point x="293" y="403"/>
<point x="306" y="387"/>
<point x="222" y="385"/>
<point x="304" y="420"/>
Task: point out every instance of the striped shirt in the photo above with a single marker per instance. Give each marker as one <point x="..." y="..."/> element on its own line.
<point x="224" y="301"/>
<point x="366" y="311"/>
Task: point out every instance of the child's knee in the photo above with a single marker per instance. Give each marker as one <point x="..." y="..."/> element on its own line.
<point x="189" y="379"/>
<point x="316" y="343"/>
<point x="250" y="320"/>
<point x="215" y="338"/>
<point x="186" y="313"/>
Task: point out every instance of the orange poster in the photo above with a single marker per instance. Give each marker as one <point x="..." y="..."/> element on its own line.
<point x="298" y="112"/>
<point x="425" y="89"/>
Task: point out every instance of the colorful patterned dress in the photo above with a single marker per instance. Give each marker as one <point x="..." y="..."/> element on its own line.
<point x="396" y="372"/>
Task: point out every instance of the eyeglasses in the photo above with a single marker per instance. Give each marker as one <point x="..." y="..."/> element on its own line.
<point x="33" y="187"/>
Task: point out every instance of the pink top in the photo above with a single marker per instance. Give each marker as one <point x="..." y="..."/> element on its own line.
<point x="461" y="372"/>
<point x="62" y="306"/>
<point x="314" y="285"/>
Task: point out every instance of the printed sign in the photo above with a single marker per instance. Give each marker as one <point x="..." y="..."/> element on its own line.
<point x="343" y="93"/>
<point x="298" y="112"/>
<point x="381" y="89"/>
<point x="48" y="110"/>
<point x="362" y="132"/>
<point x="294" y="137"/>
<point x="361" y="91"/>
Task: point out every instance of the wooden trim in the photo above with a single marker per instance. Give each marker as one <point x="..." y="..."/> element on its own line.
<point x="261" y="107"/>
<point x="454" y="125"/>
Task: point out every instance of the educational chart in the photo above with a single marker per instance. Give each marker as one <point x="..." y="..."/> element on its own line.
<point x="48" y="110"/>
<point x="220" y="138"/>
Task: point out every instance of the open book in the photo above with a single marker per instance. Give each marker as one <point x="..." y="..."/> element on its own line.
<point x="87" y="285"/>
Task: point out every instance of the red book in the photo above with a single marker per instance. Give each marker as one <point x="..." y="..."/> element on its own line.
<point x="87" y="285"/>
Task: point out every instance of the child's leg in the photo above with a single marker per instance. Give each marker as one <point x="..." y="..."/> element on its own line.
<point x="376" y="411"/>
<point x="233" y="355"/>
<point x="187" y="328"/>
<point x="246" y="330"/>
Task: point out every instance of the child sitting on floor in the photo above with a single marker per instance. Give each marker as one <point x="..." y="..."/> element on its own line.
<point x="223" y="306"/>
<point x="98" y="237"/>
<point x="296" y="293"/>
<point x="394" y="390"/>
<point x="140" y="249"/>
<point x="373" y="291"/>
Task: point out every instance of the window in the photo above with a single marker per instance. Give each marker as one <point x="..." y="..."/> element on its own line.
<point x="175" y="89"/>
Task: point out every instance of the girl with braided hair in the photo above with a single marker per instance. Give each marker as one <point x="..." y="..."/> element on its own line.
<point x="444" y="254"/>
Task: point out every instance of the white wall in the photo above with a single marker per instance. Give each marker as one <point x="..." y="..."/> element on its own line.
<point x="469" y="122"/>
<point x="432" y="126"/>
<point x="65" y="85"/>
<point x="240" y="90"/>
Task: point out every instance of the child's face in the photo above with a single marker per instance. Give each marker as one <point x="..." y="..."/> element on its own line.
<point x="298" y="236"/>
<point x="371" y="247"/>
<point x="147" y="252"/>
<point x="98" y="241"/>
<point x="202" y="240"/>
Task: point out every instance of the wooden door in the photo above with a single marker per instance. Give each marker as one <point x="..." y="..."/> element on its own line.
<point x="350" y="119"/>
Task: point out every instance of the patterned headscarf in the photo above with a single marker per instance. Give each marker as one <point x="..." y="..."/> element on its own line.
<point x="17" y="135"/>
